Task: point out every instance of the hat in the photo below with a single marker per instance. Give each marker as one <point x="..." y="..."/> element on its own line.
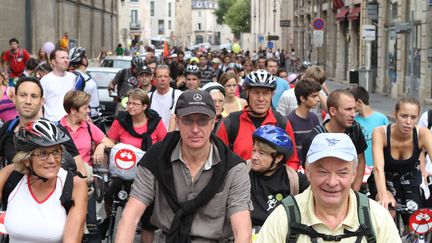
<point x="216" y="60"/>
<point x="338" y="145"/>
<point x="195" y="101"/>
<point x="145" y="70"/>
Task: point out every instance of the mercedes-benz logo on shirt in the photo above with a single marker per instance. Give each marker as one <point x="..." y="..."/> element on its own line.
<point x="197" y="97"/>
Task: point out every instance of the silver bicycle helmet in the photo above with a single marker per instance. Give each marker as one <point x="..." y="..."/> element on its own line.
<point x="76" y="55"/>
<point x="261" y="79"/>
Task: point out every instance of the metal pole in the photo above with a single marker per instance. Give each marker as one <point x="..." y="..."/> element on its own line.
<point x="411" y="48"/>
<point x="28" y="26"/>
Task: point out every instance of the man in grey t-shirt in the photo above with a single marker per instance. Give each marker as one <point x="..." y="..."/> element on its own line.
<point x="199" y="188"/>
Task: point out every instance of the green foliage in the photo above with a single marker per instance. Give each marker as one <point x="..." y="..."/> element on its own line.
<point x="223" y="6"/>
<point x="238" y="17"/>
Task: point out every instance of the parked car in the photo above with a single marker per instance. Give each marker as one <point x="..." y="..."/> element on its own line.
<point x="103" y="76"/>
<point x="117" y="62"/>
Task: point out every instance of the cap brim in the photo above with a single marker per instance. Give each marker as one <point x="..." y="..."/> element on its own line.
<point x="194" y="110"/>
<point x="323" y="154"/>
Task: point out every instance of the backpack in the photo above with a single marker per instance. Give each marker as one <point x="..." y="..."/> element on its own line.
<point x="15" y="177"/>
<point x="80" y="81"/>
<point x="232" y="124"/>
<point x="429" y="119"/>
<point x="295" y="228"/>
<point x="10" y="126"/>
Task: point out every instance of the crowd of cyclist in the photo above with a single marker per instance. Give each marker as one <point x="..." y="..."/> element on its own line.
<point x="264" y="115"/>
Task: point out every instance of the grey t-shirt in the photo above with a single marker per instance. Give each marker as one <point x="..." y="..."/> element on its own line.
<point x="211" y="221"/>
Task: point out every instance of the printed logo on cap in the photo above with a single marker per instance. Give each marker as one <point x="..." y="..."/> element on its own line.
<point x="332" y="141"/>
<point x="421" y="221"/>
<point x="125" y="159"/>
<point x="197" y="97"/>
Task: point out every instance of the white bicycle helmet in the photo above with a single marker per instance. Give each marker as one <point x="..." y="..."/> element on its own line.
<point x="76" y="55"/>
<point x="192" y="69"/>
<point x="260" y="79"/>
<point x="214" y="85"/>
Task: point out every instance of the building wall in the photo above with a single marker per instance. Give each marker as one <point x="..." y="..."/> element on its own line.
<point x="183" y="29"/>
<point x="161" y="13"/>
<point x="266" y="16"/>
<point x="91" y="23"/>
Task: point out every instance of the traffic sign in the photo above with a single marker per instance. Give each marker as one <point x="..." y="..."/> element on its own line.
<point x="318" y="23"/>
<point x="318" y="38"/>
<point x="369" y="32"/>
<point x="270" y="44"/>
<point x="421" y="221"/>
<point x="272" y="37"/>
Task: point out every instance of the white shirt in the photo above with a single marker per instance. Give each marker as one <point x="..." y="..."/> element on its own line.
<point x="55" y="88"/>
<point x="91" y="89"/>
<point x="163" y="103"/>
<point x="28" y="220"/>
<point x="423" y="122"/>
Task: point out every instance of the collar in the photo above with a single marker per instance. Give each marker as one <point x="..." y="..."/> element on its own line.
<point x="212" y="159"/>
<point x="65" y="123"/>
<point x="351" y="219"/>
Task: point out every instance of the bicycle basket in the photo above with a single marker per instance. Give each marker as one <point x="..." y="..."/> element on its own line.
<point x="123" y="161"/>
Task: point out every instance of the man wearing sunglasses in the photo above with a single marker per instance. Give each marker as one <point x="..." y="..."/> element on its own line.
<point x="199" y="188"/>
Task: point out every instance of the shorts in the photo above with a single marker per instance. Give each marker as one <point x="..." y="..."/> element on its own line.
<point x="112" y="192"/>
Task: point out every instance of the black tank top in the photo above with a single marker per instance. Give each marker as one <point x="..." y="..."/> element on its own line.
<point x="403" y="165"/>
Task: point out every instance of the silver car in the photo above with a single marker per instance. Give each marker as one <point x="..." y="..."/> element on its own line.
<point x="117" y="62"/>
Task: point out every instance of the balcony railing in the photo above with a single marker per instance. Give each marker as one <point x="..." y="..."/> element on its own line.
<point x="135" y="26"/>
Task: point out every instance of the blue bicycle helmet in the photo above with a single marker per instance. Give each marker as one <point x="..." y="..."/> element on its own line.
<point x="275" y="137"/>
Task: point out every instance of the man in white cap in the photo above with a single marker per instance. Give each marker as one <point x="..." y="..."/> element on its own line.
<point x="329" y="209"/>
<point x="199" y="188"/>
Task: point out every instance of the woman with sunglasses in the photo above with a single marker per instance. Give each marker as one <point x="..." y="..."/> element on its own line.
<point x="44" y="203"/>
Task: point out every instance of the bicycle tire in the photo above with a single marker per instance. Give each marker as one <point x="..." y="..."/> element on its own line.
<point x="117" y="219"/>
<point x="99" y="189"/>
<point x="111" y="233"/>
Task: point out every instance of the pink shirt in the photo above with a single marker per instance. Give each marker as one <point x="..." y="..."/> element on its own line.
<point x="81" y="138"/>
<point x="119" y="134"/>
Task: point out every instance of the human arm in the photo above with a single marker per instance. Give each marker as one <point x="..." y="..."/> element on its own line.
<point x="129" y="219"/>
<point x="378" y="143"/>
<point x="275" y="228"/>
<point x="115" y="81"/>
<point x="294" y="161"/>
<point x="172" y="123"/>
<point x="99" y="152"/>
<point x="74" y="228"/>
<point x="241" y="226"/>
<point x="4" y="174"/>
<point x="358" y="180"/>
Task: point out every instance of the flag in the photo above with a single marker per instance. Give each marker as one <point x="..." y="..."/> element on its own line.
<point x="166" y="51"/>
<point x="337" y="4"/>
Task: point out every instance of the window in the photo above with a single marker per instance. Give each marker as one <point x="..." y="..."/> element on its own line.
<point x="169" y="24"/>
<point x="134" y="16"/>
<point x="169" y="10"/>
<point x="152" y="7"/>
<point x="161" y="27"/>
<point x="134" y="0"/>
<point x="199" y="26"/>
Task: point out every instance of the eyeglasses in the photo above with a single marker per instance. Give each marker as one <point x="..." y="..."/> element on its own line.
<point x="133" y="104"/>
<point x="44" y="154"/>
<point x="202" y="122"/>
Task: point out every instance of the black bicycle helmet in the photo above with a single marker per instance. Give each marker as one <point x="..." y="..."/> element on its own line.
<point x="192" y="69"/>
<point x="214" y="85"/>
<point x="76" y="55"/>
<point x="260" y="78"/>
<point x="275" y="137"/>
<point x="137" y="62"/>
<point x="40" y="133"/>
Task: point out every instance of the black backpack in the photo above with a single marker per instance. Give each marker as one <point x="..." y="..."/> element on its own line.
<point x="295" y="227"/>
<point x="232" y="124"/>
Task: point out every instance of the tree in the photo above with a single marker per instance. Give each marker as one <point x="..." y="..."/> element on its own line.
<point x="238" y="17"/>
<point x="223" y="6"/>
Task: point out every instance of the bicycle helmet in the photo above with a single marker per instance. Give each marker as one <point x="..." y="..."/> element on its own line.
<point x="237" y="66"/>
<point x="40" y="133"/>
<point x="76" y="55"/>
<point x="275" y="137"/>
<point x="192" y="69"/>
<point x="137" y="62"/>
<point x="193" y="61"/>
<point x="260" y="78"/>
<point x="214" y="85"/>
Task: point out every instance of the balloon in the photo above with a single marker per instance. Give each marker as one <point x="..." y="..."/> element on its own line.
<point x="236" y="48"/>
<point x="48" y="47"/>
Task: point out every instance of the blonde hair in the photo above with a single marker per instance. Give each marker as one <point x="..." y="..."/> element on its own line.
<point x="19" y="159"/>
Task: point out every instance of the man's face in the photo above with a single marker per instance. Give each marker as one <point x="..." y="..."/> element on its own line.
<point x="192" y="81"/>
<point x="152" y="66"/>
<point x="144" y="79"/>
<point x="203" y="61"/>
<point x="28" y="100"/>
<point x="261" y="63"/>
<point x="61" y="61"/>
<point x="227" y="60"/>
<point x="272" y="67"/>
<point x="13" y="45"/>
<point x="260" y="100"/>
<point x="180" y="58"/>
<point x="345" y="112"/>
<point x="162" y="79"/>
<point x="330" y="179"/>
<point x="311" y="100"/>
<point x="283" y="75"/>
<point x="195" y="130"/>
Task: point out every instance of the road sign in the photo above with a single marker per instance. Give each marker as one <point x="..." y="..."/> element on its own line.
<point x="318" y="23"/>
<point x="421" y="221"/>
<point x="369" y="32"/>
<point x="261" y="39"/>
<point x="285" y="23"/>
<point x="318" y="38"/>
<point x="270" y="44"/>
<point x="272" y="37"/>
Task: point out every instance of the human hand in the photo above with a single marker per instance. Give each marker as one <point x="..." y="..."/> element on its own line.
<point x="386" y="200"/>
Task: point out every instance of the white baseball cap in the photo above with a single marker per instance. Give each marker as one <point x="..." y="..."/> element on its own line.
<point x="338" y="145"/>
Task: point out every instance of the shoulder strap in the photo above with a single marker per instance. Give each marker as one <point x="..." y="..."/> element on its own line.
<point x="10" y="184"/>
<point x="79" y="81"/>
<point x="293" y="217"/>
<point x="365" y="221"/>
<point x="293" y="180"/>
<point x="281" y="121"/>
<point x="66" y="197"/>
<point x="9" y="131"/>
<point x="429" y="119"/>
<point x="13" y="123"/>
<point x="232" y="124"/>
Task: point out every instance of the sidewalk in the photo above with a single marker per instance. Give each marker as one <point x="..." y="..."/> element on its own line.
<point x="379" y="102"/>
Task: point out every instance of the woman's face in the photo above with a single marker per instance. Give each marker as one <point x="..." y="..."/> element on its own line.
<point x="82" y="113"/>
<point x="45" y="161"/>
<point x="219" y="101"/>
<point x="230" y="87"/>
<point x="135" y="107"/>
<point x="406" y="117"/>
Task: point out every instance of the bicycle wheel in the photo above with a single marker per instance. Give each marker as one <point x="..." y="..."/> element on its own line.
<point x="111" y="228"/>
<point x="117" y="219"/>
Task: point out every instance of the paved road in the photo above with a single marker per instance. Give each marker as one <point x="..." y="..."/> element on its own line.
<point x="379" y="102"/>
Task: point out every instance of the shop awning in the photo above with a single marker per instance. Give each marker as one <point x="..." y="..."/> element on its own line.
<point x="340" y="16"/>
<point x="354" y="13"/>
